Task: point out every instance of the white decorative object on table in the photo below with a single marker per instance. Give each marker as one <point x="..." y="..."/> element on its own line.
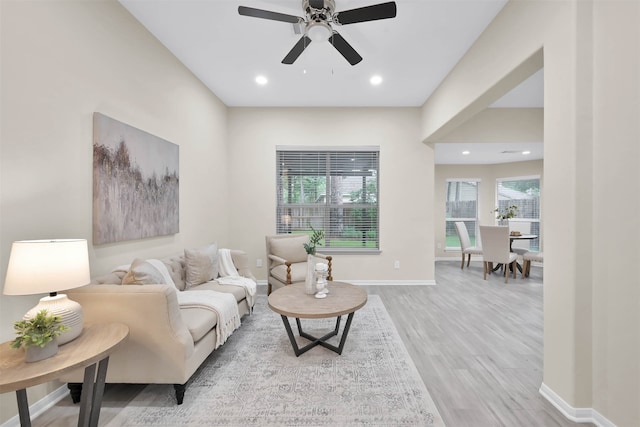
<point x="35" y="353"/>
<point x="310" y="280"/>
<point x="321" y="280"/>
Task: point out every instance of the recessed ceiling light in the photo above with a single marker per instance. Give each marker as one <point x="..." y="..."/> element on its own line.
<point x="526" y="152"/>
<point x="261" y="80"/>
<point x="466" y="152"/>
<point x="375" y="80"/>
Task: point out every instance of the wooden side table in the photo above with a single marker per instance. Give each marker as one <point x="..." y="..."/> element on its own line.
<point x="90" y="350"/>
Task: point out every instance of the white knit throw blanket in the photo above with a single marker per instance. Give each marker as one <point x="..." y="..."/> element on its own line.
<point x="230" y="276"/>
<point x="223" y="304"/>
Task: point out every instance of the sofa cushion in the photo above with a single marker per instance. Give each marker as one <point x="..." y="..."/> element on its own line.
<point x="199" y="321"/>
<point x="142" y="272"/>
<point x="238" y="292"/>
<point x="290" y="248"/>
<point x="298" y="272"/>
<point x="176" y="268"/>
<point x="201" y="265"/>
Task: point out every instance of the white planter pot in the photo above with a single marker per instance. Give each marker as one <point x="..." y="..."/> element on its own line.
<point x="35" y="353"/>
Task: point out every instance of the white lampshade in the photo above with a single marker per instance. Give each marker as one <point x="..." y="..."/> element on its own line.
<point x="49" y="266"/>
<point x="45" y="266"/>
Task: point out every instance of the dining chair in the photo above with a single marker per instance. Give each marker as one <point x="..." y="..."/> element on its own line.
<point x="465" y="243"/>
<point x="528" y="257"/>
<point x="495" y="248"/>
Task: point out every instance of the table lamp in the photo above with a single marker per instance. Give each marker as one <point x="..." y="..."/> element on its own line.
<point x="49" y="266"/>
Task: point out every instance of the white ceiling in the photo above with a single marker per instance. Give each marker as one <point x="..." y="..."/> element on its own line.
<point x="412" y="52"/>
<point x="451" y="153"/>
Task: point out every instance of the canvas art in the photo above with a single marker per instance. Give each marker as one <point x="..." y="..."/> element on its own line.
<point x="135" y="183"/>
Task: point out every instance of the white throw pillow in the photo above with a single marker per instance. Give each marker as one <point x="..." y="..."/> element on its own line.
<point x="142" y="273"/>
<point x="201" y="265"/>
<point x="164" y="271"/>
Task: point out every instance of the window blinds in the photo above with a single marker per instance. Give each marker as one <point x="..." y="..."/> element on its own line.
<point x="333" y="190"/>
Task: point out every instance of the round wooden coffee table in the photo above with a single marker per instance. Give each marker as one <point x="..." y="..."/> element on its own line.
<point x="292" y="301"/>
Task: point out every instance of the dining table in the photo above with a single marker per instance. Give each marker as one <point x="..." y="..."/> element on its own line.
<point x="513" y="237"/>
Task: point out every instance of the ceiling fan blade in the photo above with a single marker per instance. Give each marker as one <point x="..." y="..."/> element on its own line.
<point x="345" y="49"/>
<point x="267" y="14"/>
<point x="367" y="13"/>
<point x="297" y="50"/>
<point x="316" y="4"/>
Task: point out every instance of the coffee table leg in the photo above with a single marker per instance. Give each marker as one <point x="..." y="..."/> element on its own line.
<point x="324" y="338"/>
<point x="317" y="341"/>
<point x="294" y="344"/>
<point x="345" y="332"/>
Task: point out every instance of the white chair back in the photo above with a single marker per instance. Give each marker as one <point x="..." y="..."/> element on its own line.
<point x="463" y="235"/>
<point x="495" y="244"/>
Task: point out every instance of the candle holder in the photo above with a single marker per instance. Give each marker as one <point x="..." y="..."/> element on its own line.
<point x="321" y="270"/>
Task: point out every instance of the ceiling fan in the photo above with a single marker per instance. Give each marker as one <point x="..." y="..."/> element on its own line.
<point x="319" y="17"/>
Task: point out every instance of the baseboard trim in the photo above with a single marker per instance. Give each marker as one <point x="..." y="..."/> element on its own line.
<point x="578" y="415"/>
<point x="41" y="406"/>
<point x="377" y="283"/>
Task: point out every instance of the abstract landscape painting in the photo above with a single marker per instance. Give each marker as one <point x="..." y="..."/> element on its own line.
<point x="135" y="183"/>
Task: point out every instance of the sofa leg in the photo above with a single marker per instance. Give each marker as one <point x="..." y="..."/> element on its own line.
<point x="75" y="390"/>
<point x="180" y="388"/>
<point x="269" y="289"/>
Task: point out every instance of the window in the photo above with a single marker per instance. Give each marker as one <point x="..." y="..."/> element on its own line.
<point x="461" y="205"/>
<point x="331" y="189"/>
<point x="523" y="192"/>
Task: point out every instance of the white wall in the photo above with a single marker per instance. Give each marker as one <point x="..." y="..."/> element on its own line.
<point x="615" y="192"/>
<point x="500" y="125"/>
<point x="406" y="181"/>
<point x="591" y="298"/>
<point x="61" y="61"/>
<point x="487" y="174"/>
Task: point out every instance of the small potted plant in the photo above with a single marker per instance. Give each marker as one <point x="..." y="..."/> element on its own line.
<point x="507" y="213"/>
<point x="315" y="239"/>
<point x="38" y="335"/>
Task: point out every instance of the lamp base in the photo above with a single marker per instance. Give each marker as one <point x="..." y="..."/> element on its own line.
<point x="69" y="311"/>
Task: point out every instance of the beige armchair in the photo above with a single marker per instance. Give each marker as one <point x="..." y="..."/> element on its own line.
<point x="287" y="260"/>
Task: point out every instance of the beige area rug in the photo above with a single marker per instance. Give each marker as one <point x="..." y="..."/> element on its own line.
<point x="255" y="379"/>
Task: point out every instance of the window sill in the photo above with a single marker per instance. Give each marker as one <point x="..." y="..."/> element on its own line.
<point x="348" y="251"/>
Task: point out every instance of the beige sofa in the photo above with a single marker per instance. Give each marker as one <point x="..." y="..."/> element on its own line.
<point x="166" y="343"/>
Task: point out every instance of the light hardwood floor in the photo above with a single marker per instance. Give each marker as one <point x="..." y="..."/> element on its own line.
<point x="477" y="345"/>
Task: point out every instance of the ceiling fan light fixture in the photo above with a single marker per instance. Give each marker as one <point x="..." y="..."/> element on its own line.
<point x="375" y="80"/>
<point x="262" y="80"/>
<point x="319" y="31"/>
